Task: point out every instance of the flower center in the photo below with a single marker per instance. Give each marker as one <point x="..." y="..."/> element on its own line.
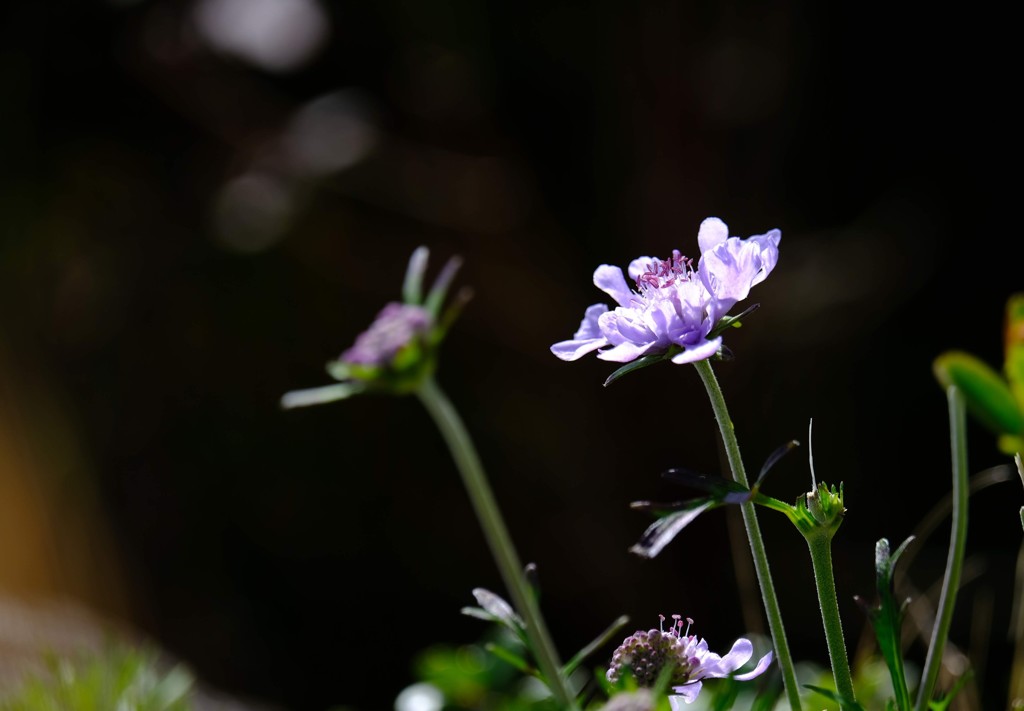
<point x="646" y="654"/>
<point x="663" y="273"/>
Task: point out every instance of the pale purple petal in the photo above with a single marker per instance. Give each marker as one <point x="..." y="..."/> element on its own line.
<point x="762" y="664"/>
<point x="688" y="693"/>
<point x="741" y="652"/>
<point x="699" y="352"/>
<point x="625" y="352"/>
<point x="641" y="265"/>
<point x="626" y="326"/>
<point x="769" y="244"/>
<point x="587" y="337"/>
<point x="574" y="350"/>
<point x="729" y="268"/>
<point x="609" y="279"/>
<point x="589" y="327"/>
<point x="712" y="232"/>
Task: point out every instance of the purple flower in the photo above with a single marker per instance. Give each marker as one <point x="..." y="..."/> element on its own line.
<point x="394" y="328"/>
<point x="673" y="307"/>
<point x="647" y="653"/>
<point x="399" y="349"/>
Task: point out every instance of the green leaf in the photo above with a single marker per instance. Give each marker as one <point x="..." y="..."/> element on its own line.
<point x="887" y="619"/>
<point x="726" y="695"/>
<point x="732" y="321"/>
<point x="412" y="287"/>
<point x="598" y="642"/>
<point x="1014" y="342"/>
<point x="511" y="658"/>
<point x="987" y="395"/>
<point x="721" y="489"/>
<point x="641" y="362"/>
<point x="440" y="288"/>
<point x="943" y="703"/>
<point x="496" y="609"/>
<point x="845" y="703"/>
<point x="767" y="699"/>
<point x="660" y="533"/>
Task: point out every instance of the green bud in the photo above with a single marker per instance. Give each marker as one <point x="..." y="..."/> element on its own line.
<point x="820" y="509"/>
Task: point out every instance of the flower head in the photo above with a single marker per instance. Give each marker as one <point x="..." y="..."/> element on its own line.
<point x="673" y="309"/>
<point x="647" y="654"/>
<point x="399" y="349"/>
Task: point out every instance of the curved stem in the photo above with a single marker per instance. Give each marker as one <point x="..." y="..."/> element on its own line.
<point x="468" y="462"/>
<point x="764" y="575"/>
<point x="820" y="544"/>
<point x="957" y="543"/>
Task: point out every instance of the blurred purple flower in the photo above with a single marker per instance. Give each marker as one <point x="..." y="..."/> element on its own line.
<point x="399" y="349"/>
<point x="673" y="305"/>
<point x="393" y="329"/>
<point x="646" y="654"/>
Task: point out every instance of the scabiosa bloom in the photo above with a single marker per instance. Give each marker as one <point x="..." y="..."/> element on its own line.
<point x="395" y="327"/>
<point x="399" y="349"/>
<point x="673" y="308"/>
<point x="646" y="654"/>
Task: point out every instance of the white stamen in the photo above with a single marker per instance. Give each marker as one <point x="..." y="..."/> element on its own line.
<point x="810" y="454"/>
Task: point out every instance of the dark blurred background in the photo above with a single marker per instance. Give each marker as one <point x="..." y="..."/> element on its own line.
<point x="203" y="202"/>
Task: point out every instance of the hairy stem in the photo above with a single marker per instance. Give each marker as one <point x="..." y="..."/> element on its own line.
<point x="764" y="575"/>
<point x="820" y="544"/>
<point x="468" y="462"/>
<point x="957" y="543"/>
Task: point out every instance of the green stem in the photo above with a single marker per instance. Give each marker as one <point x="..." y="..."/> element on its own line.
<point x="957" y="543"/>
<point x="820" y="544"/>
<point x="764" y="575"/>
<point x="468" y="462"/>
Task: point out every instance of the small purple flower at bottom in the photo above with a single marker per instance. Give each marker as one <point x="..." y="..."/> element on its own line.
<point x="646" y="654"/>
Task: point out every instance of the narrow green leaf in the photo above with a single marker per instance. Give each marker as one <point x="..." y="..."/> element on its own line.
<point x="512" y="658"/>
<point x="987" y="395"/>
<point x="719" y="487"/>
<point x="641" y="362"/>
<point x="598" y="642"/>
<point x="845" y="703"/>
<point x="732" y="321"/>
<point x="774" y="458"/>
<point x="440" y="288"/>
<point x="887" y="619"/>
<point x="412" y="287"/>
<point x="944" y="703"/>
<point x="660" y="533"/>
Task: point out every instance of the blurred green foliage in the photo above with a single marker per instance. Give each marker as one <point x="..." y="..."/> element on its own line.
<point x="116" y="680"/>
<point x="997" y="401"/>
